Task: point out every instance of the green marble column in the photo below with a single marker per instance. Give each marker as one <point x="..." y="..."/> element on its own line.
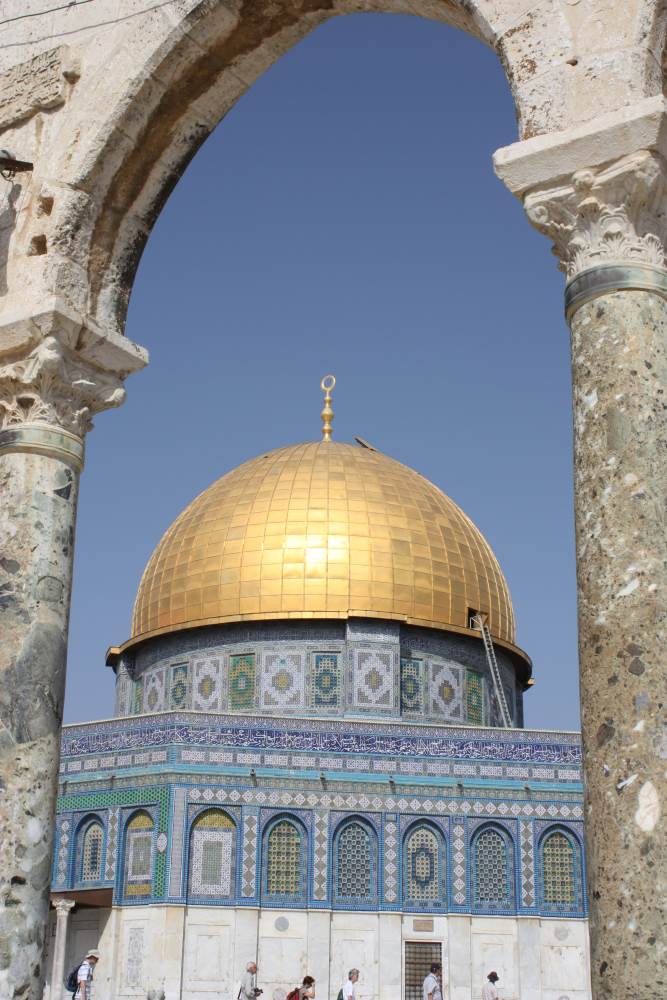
<point x="619" y="372"/>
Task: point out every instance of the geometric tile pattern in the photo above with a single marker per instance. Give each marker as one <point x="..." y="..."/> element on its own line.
<point x="474" y="698"/>
<point x="112" y="844"/>
<point x="178" y="686"/>
<point x="284" y="869"/>
<point x="177" y="845"/>
<point x="411" y="686"/>
<point x="422" y="878"/>
<point x="212" y="851"/>
<point x="446" y="691"/>
<point x="242" y="681"/>
<point x="248" y="877"/>
<point x="206" y="685"/>
<point x="354" y="867"/>
<point x="373" y="679"/>
<point x="139" y="851"/>
<point x="63" y="850"/>
<point x="459" y="864"/>
<point x="320" y="852"/>
<point x="282" y="680"/>
<point x="154" y="693"/>
<point x="527" y="863"/>
<point x="390" y="860"/>
<point x="138" y="705"/>
<point x="326" y="680"/>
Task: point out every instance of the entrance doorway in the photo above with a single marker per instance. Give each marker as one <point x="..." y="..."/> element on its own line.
<point x="418" y="958"/>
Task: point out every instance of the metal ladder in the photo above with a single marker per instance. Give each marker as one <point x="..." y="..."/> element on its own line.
<point x="479" y="623"/>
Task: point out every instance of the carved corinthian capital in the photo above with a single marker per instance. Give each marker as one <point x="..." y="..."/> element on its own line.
<point x="611" y="215"/>
<point x="53" y="372"/>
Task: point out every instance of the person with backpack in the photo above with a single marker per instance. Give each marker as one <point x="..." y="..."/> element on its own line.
<point x="303" y="992"/>
<point x="80" y="979"/>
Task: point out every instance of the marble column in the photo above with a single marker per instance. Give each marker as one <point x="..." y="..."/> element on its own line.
<point x="62" y="907"/>
<point x="609" y="232"/>
<point x="53" y="377"/>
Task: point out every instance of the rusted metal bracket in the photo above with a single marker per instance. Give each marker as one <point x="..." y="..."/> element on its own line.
<point x="9" y="165"/>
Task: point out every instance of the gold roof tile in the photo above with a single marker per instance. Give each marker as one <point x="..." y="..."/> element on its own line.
<point x="373" y="538"/>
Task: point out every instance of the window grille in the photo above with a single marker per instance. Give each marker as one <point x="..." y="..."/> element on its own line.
<point x="91" y="863"/>
<point x="491" y="868"/>
<point x="423" y="865"/>
<point x="474" y="698"/>
<point x="284" y="860"/>
<point x="419" y="956"/>
<point x="355" y="864"/>
<point x="558" y="867"/>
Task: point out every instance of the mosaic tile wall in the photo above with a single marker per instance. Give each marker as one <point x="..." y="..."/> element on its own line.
<point x="379" y="669"/>
<point x="426" y="849"/>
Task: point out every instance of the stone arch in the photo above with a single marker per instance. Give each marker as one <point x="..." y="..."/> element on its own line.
<point x="101" y="179"/>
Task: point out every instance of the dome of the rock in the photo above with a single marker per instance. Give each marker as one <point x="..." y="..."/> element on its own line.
<point x="322" y="530"/>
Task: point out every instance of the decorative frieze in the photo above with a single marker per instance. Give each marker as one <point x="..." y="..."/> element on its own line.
<point x="611" y="215"/>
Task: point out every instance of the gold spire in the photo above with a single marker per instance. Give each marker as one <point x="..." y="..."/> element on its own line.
<point x="327" y="385"/>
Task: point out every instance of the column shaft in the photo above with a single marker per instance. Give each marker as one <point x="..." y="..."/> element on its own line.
<point x="619" y="364"/>
<point x="63" y="908"/>
<point x="37" y="520"/>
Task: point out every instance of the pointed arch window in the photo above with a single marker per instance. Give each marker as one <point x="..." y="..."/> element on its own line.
<point x="423" y="866"/>
<point x="212" y="855"/>
<point x="139" y="855"/>
<point x="356" y="852"/>
<point x="91" y="852"/>
<point x="284" y="860"/>
<point x="493" y="870"/>
<point x="559" y="866"/>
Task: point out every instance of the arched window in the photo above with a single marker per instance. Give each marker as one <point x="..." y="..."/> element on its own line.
<point x="212" y="855"/>
<point x="559" y="884"/>
<point x="355" y="863"/>
<point x="139" y="855"/>
<point x="91" y="852"/>
<point x="423" y="864"/>
<point x="492" y="870"/>
<point x="284" y="860"/>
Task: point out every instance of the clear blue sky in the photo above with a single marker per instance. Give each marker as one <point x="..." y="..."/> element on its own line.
<point x="345" y="218"/>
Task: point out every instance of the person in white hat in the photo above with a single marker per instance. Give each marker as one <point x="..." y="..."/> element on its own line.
<point x="85" y="974"/>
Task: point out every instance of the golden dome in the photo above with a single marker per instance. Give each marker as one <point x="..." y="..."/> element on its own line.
<point x="322" y="530"/>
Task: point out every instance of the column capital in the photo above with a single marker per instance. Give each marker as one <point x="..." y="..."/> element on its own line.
<point x="612" y="215"/>
<point x="57" y="371"/>
<point x="62" y="905"/>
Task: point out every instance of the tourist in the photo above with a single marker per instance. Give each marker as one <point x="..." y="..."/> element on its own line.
<point x="489" y="991"/>
<point x="307" y="988"/>
<point x="347" y="992"/>
<point x="432" y="989"/>
<point x="85" y="974"/>
<point x="248" y="990"/>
